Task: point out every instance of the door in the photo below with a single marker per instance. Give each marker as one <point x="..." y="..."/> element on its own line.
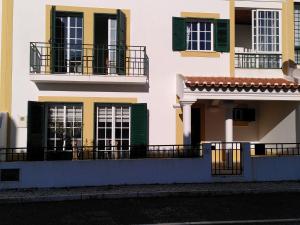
<point x="196" y="126"/>
<point x="105" y="40"/>
<point x="67" y="42"/>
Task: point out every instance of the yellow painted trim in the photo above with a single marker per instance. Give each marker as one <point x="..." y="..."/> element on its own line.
<point x="88" y="23"/>
<point x="200" y="15"/>
<point x="200" y="54"/>
<point x="88" y="110"/>
<point x="179" y="125"/>
<point x="232" y="38"/>
<point x="6" y="56"/>
<point x="288" y="52"/>
<point x="6" y="61"/>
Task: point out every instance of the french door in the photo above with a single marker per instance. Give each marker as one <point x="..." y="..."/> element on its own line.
<point x="113" y="129"/>
<point x="68" y="42"/>
<point x="64" y="126"/>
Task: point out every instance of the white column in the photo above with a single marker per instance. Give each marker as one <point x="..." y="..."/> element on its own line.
<point x="228" y="121"/>
<point x="187" y="121"/>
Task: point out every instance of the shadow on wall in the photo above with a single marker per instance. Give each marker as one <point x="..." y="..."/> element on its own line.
<point x="12" y="132"/>
<point x="277" y="123"/>
<point x="94" y="87"/>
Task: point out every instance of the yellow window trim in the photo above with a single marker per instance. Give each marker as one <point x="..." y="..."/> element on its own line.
<point x="88" y="20"/>
<point x="210" y="54"/>
<point x="88" y="110"/>
<point x="200" y="15"/>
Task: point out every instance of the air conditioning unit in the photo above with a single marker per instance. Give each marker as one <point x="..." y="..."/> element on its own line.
<point x="243" y="114"/>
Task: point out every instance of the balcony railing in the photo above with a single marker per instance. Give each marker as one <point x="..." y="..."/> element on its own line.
<point x="101" y="153"/>
<point x="248" y="58"/>
<point x="86" y="59"/>
<point x="258" y="61"/>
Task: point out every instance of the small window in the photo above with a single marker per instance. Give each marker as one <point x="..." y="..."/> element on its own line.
<point x="199" y="35"/>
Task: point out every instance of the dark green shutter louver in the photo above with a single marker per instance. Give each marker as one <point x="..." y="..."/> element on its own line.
<point x="139" y="124"/>
<point x="222" y="35"/>
<point x="121" y="42"/>
<point x="179" y="34"/>
<point x="35" y="131"/>
<point x="52" y="38"/>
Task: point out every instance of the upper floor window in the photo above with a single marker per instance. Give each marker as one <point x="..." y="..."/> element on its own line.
<point x="266" y="30"/>
<point x="199" y="35"/>
<point x="297" y="32"/>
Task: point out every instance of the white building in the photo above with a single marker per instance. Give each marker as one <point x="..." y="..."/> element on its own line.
<point x="101" y="73"/>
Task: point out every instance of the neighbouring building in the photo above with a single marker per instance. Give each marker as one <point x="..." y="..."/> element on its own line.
<point x="133" y="72"/>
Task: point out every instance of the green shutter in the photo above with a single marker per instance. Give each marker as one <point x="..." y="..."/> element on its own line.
<point x="139" y="124"/>
<point x="35" y="130"/>
<point x="179" y="34"/>
<point x="121" y="43"/>
<point x="52" y="38"/>
<point x="222" y="35"/>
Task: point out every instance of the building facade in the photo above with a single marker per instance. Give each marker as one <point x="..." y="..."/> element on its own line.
<point x="121" y="73"/>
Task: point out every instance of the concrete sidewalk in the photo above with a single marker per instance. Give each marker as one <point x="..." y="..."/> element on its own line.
<point x="144" y="191"/>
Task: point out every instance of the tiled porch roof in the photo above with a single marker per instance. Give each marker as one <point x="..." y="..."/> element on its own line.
<point x="234" y="82"/>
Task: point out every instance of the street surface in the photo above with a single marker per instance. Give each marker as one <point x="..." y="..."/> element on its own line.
<point x="156" y="210"/>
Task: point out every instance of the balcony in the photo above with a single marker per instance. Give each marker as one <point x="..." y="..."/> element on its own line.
<point x="249" y="59"/>
<point x="61" y="63"/>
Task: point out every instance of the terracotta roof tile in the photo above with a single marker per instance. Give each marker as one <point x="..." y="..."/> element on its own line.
<point x="240" y="82"/>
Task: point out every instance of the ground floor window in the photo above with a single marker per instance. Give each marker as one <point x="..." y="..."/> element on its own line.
<point x="113" y="126"/>
<point x="64" y="126"/>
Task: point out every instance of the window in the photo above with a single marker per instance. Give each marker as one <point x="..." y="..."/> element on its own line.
<point x="199" y="35"/>
<point x="64" y="126"/>
<point x="266" y="30"/>
<point x="68" y="42"/>
<point x="113" y="130"/>
<point x="297" y="32"/>
<point x="113" y="126"/>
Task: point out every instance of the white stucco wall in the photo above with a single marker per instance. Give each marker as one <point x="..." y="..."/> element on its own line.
<point x="151" y="25"/>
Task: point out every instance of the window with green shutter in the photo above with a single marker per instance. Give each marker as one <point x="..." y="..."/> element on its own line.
<point x="194" y="34"/>
<point x="179" y="34"/>
<point x="139" y="124"/>
<point x="222" y="35"/>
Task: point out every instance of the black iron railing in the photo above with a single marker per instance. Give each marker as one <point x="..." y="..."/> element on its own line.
<point x="227" y="158"/>
<point x="87" y="59"/>
<point x="258" y="61"/>
<point x="275" y="149"/>
<point x="103" y="152"/>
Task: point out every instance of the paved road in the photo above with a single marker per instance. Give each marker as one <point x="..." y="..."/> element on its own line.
<point x="154" y="210"/>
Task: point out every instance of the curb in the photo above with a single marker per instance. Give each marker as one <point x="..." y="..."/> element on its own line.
<point x="141" y="194"/>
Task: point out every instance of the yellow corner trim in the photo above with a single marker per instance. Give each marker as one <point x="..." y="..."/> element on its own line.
<point x="200" y="54"/>
<point x="6" y="56"/>
<point x="200" y="15"/>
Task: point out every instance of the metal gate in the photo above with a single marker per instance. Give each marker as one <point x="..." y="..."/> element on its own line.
<point x="227" y="159"/>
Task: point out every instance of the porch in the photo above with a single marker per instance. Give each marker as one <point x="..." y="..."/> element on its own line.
<point x="228" y="109"/>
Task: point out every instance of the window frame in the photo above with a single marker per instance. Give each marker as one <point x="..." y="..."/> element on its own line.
<point x="113" y="127"/>
<point x="255" y="32"/>
<point x="297" y="28"/>
<point x="47" y="108"/>
<point x="198" y="21"/>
